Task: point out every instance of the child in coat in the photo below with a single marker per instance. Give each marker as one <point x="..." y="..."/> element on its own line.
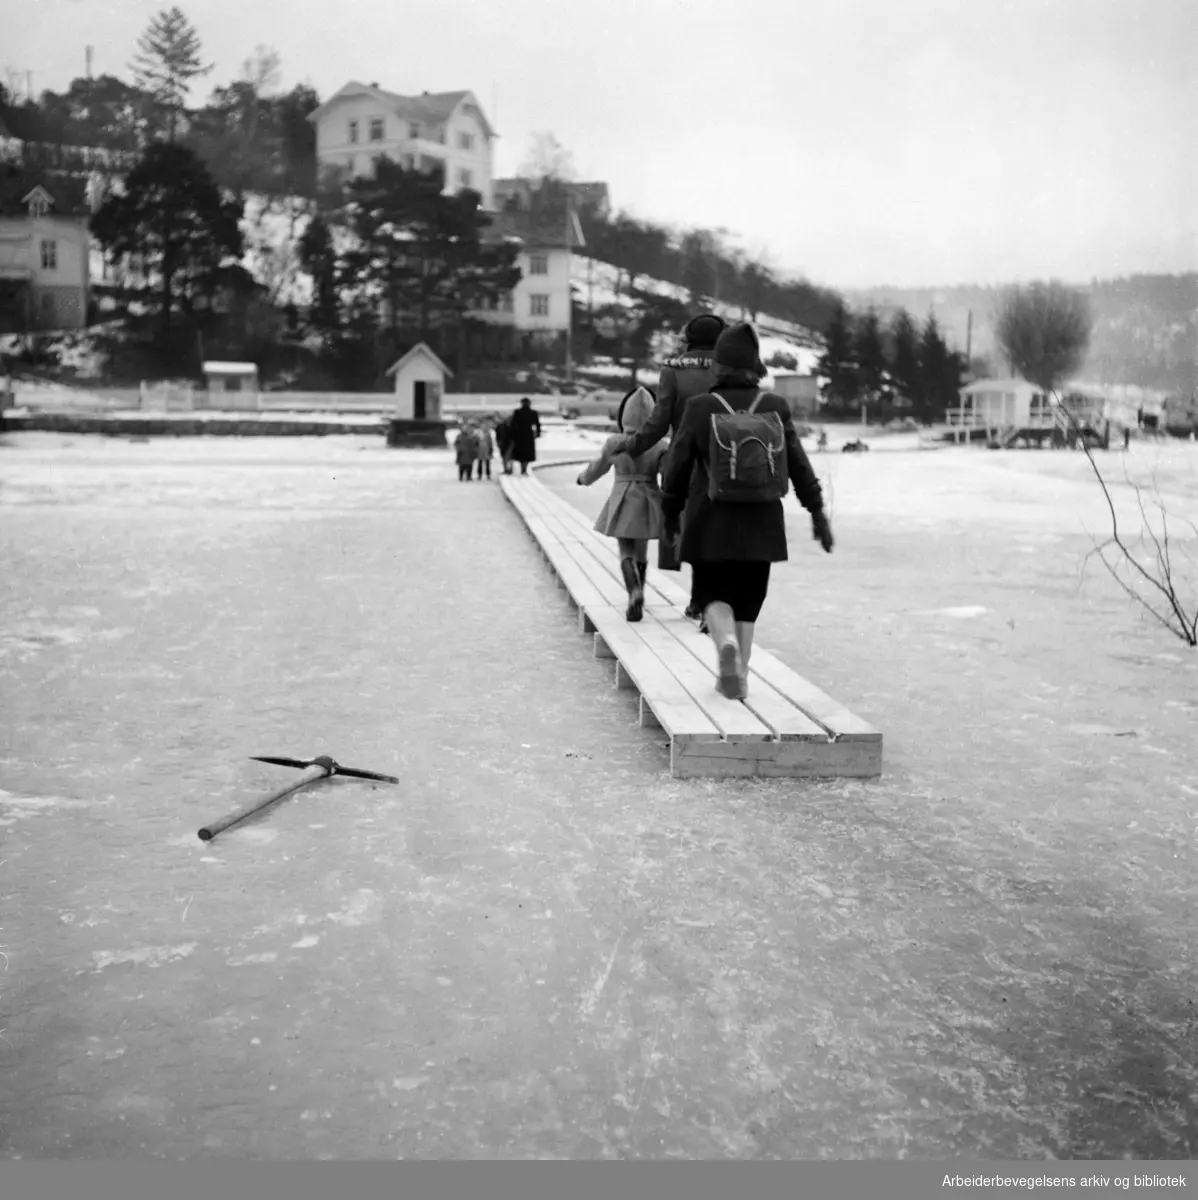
<point x="632" y="513"/>
<point x="486" y="449"/>
<point x="466" y="450"/>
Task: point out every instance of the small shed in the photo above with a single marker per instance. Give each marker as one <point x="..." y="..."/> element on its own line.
<point x="801" y="393"/>
<point x="419" y="384"/>
<point x="231" y="376"/>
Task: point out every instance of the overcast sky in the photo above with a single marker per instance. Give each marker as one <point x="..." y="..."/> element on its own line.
<point x="861" y="142"/>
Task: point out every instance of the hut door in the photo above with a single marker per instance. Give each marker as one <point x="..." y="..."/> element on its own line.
<point x="419" y="399"/>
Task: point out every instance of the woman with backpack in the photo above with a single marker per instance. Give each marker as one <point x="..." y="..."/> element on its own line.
<point x="725" y="478"/>
<point x="632" y="513"/>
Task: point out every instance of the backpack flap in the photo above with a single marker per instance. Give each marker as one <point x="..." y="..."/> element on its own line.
<point x="747" y="455"/>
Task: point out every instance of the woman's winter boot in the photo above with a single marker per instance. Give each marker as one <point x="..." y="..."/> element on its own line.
<point x="636" y="592"/>
<point x="723" y="632"/>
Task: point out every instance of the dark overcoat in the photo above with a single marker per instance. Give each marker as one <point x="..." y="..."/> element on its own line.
<point x="526" y="428"/>
<point x="717" y="531"/>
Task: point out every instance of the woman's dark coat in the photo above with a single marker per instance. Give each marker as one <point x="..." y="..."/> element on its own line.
<point x="526" y="428"/>
<point x="683" y="376"/>
<point x="715" y="531"/>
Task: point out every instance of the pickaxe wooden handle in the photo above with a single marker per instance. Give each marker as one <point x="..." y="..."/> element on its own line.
<point x="314" y="772"/>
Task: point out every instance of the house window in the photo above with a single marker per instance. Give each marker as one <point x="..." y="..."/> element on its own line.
<point x="428" y="163"/>
<point x="466" y="178"/>
<point x="353" y="131"/>
<point x="465" y="141"/>
<point x="538" y="264"/>
<point x="376" y="129"/>
<point x="407" y="161"/>
<point x="539" y="305"/>
<point x="49" y="255"/>
<point x="505" y="304"/>
<point x="414" y="129"/>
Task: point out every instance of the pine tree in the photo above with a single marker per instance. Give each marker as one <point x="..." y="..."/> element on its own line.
<point x="319" y="261"/>
<point x="871" y="359"/>
<point x="838" y="364"/>
<point x="904" y="358"/>
<point x="420" y="251"/>
<point x="167" y="60"/>
<point x="171" y="214"/>
<point x="933" y="371"/>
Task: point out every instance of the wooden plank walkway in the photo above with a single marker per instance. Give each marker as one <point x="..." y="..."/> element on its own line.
<point x="786" y="726"/>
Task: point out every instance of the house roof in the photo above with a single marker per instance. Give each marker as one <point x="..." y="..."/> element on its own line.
<point x="1000" y="385"/>
<point x="544" y="230"/>
<point x="430" y="107"/>
<point x="230" y="368"/>
<point x="421" y="348"/>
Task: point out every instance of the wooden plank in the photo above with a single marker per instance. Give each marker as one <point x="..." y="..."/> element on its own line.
<point x="772" y="707"/>
<point x="671" y="703"/>
<point x="818" y="705"/>
<point x="782" y="731"/>
<point x="599" y="563"/>
<point x="794" y="759"/>
<point x="669" y="590"/>
<point x="730" y="717"/>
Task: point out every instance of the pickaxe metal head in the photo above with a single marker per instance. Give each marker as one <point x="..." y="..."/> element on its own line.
<point x="330" y="765"/>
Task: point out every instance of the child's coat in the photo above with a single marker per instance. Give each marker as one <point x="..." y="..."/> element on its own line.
<point x="633" y="510"/>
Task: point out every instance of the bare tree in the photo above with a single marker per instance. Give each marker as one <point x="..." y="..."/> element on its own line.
<point x="167" y="60"/>
<point x="548" y="159"/>
<point x="1044" y="332"/>
<point x="1157" y="587"/>
<point x="263" y="70"/>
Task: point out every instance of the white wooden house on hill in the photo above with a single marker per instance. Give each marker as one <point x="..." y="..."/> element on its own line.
<point x="449" y="130"/>
<point x="44" y="268"/>
<point x="540" y="303"/>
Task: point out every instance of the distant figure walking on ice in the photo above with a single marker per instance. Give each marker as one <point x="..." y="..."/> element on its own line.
<point x="503" y="443"/>
<point x="683" y="375"/>
<point x="486" y="449"/>
<point x="465" y="447"/>
<point x="632" y="513"/>
<point x="725" y="478"/>
<point x="526" y="428"/>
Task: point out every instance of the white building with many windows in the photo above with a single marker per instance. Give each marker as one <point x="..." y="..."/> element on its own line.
<point x="435" y="129"/>
<point x="540" y="303"/>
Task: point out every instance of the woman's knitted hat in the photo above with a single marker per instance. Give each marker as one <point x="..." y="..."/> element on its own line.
<point x="738" y="349"/>
<point x="701" y="332"/>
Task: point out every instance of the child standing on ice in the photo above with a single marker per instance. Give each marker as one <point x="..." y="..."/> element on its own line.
<point x="632" y="513"/>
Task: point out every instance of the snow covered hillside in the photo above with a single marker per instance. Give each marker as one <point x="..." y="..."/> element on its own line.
<point x="273" y="225"/>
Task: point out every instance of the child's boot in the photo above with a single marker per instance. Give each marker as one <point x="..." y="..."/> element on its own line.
<point x="636" y="593"/>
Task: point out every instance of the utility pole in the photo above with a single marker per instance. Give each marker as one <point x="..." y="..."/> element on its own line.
<point x="569" y="292"/>
<point x="89" y="62"/>
<point x="969" y="339"/>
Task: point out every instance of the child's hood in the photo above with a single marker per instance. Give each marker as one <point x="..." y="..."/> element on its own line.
<point x="637" y="410"/>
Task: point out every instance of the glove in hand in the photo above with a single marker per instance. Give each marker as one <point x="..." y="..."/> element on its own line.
<point x="821" y="531"/>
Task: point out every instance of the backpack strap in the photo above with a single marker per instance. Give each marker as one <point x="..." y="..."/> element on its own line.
<point x="761" y="395"/>
<point x="725" y="402"/>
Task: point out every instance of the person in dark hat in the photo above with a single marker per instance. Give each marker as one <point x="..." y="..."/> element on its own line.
<point x="731" y="544"/>
<point x="683" y="375"/>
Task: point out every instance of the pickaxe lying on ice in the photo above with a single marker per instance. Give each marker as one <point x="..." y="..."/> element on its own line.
<point x="314" y="768"/>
